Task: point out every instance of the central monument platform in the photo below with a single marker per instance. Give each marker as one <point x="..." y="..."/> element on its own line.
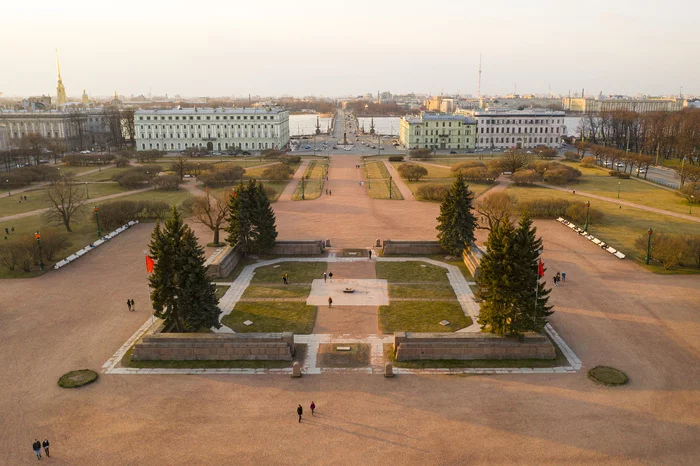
<point x="366" y="292"/>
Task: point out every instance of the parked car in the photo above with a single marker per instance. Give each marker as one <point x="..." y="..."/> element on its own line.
<point x="307" y="147"/>
<point x="452" y="152"/>
<point x="84" y="151"/>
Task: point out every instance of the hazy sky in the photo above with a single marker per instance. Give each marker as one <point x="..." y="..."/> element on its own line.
<point x="334" y="47"/>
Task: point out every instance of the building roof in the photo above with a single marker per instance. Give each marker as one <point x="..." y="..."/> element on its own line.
<point x="532" y="112"/>
<point x="439" y="117"/>
<point x="212" y="111"/>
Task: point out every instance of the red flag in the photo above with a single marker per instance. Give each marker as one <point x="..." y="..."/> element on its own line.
<point x="149" y="264"/>
<point x="540" y="269"/>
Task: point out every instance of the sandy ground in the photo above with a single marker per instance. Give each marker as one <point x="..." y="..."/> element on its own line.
<point x="609" y="311"/>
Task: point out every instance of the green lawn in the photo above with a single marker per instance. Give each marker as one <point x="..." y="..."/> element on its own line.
<point x="411" y="271"/>
<point x="272" y="317"/>
<point x="221" y="290"/>
<point x="421" y="316"/>
<point x="257" y="172"/>
<point x="435" y="291"/>
<point x="618" y="227"/>
<point x="106" y="174"/>
<point x="170" y="197"/>
<point x="315" y="172"/>
<point x="329" y="356"/>
<point x="379" y="189"/>
<point x="376" y="170"/>
<point x="276" y="291"/>
<point x="299" y="272"/>
<point x="76" y="171"/>
<point x="433" y="171"/>
<point x="586" y="171"/>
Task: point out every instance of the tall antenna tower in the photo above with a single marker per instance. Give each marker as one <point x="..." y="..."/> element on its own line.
<point x="478" y="89"/>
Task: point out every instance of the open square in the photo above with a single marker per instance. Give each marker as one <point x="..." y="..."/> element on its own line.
<point x="365" y="292"/>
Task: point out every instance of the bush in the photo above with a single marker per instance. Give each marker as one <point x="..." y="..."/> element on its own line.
<point x="52" y="242"/>
<point x="9" y="256"/>
<point x="121" y="162"/>
<point x="553" y="208"/>
<point x="223" y="177"/>
<point x="576" y="212"/>
<point x="148" y="156"/>
<point x="569" y="155"/>
<point x="167" y="182"/>
<point x="133" y="179"/>
<point x="396" y="158"/>
<point x="83" y="160"/>
<point x="479" y="174"/>
<point x="432" y="192"/>
<point x="588" y="161"/>
<point x="614" y="173"/>
<point x="421" y="154"/>
<point x="412" y="172"/>
<point x="278" y="172"/>
<point x="669" y="249"/>
<point x="693" y="249"/>
<point x="624" y="176"/>
<point x="526" y="177"/>
<point x="290" y="159"/>
<point x="271" y="154"/>
<point x="269" y="192"/>
<point x="460" y="167"/>
<point x="117" y="213"/>
<point x="554" y="172"/>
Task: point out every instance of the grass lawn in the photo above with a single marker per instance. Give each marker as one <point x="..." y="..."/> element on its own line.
<point x="276" y="291"/>
<point x="221" y="290"/>
<point x="106" y="174"/>
<point x="452" y="161"/>
<point x="618" y="227"/>
<point x="457" y="263"/>
<point x="433" y="171"/>
<point x="411" y="271"/>
<point x="299" y="272"/>
<point x="421" y="316"/>
<point x="379" y="189"/>
<point x="76" y="171"/>
<point x="632" y="190"/>
<point x="299" y="356"/>
<point x="376" y="170"/>
<point x="437" y="292"/>
<point x="559" y="361"/>
<point x="170" y="197"/>
<point x="329" y="356"/>
<point x="315" y="172"/>
<point x="239" y="163"/>
<point x="595" y="170"/>
<point x="257" y="172"/>
<point x="272" y="317"/>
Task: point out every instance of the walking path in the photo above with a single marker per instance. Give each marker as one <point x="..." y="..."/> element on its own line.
<point x="403" y="189"/>
<point x="35" y="186"/>
<point x="625" y="203"/>
<point x="292" y="185"/>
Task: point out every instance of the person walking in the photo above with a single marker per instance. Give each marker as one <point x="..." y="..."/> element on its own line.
<point x="554" y="280"/>
<point x="37" y="448"/>
<point x="133" y="306"/>
<point x="300" y="411"/>
<point x="330" y="193"/>
<point x="330" y="302"/>
<point x="313" y="407"/>
<point x="330" y="276"/>
<point x="370" y="254"/>
<point x="558" y="277"/>
<point x="285" y="277"/>
<point x="325" y="277"/>
<point x="128" y="303"/>
<point x="563" y="277"/>
<point x="45" y="444"/>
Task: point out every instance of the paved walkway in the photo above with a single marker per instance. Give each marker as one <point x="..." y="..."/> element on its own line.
<point x="403" y="189"/>
<point x="288" y="190"/>
<point x="625" y="203"/>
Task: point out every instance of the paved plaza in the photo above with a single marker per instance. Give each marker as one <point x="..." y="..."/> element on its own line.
<point x="609" y="311"/>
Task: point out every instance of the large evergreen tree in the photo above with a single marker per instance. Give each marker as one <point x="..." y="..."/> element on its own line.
<point x="531" y="309"/>
<point x="456" y="222"/>
<point x="495" y="280"/>
<point x="251" y="218"/>
<point x="180" y="291"/>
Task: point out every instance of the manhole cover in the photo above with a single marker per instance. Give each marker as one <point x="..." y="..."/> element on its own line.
<point x="444" y="323"/>
<point x="248" y="322"/>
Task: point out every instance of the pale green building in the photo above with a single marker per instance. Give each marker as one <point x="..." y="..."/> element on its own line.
<point x="438" y="131"/>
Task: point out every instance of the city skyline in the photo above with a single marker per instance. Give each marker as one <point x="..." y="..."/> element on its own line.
<point x="144" y="49"/>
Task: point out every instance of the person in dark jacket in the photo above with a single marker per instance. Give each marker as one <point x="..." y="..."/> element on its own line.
<point x="313" y="407"/>
<point x="37" y="448"/>
<point x="300" y="411"/>
<point x="128" y="303"/>
<point x="45" y="444"/>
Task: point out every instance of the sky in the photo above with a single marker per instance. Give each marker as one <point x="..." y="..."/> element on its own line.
<point x="336" y="48"/>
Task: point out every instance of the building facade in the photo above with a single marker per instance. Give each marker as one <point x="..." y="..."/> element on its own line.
<point x="438" y="131"/>
<point x="78" y="128"/>
<point x="212" y="128"/>
<point x="501" y="129"/>
<point x="4" y="139"/>
<point x="585" y="105"/>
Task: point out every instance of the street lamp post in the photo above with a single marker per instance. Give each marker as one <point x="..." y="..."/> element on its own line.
<point x="588" y="208"/>
<point x="390" y="178"/>
<point x="97" y="219"/>
<point x="369" y="181"/>
<point x="37" y="235"/>
<point x="618" y="189"/>
<point x="379" y="144"/>
<point x="646" y="259"/>
<point x="87" y="191"/>
<point x="302" y="187"/>
<point x="691" y="201"/>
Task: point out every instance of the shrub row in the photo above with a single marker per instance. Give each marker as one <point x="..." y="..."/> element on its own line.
<point x="26" y="175"/>
<point x="396" y="158"/>
<point x="117" y="213"/>
<point x="672" y="250"/>
<point x="554" y="172"/>
<point x="137" y="176"/>
<point x="83" y="160"/>
<point x="222" y="177"/>
<point x="24" y="254"/>
<point x="553" y="208"/>
<point x="431" y="192"/>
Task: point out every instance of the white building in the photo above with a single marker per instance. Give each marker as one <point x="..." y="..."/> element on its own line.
<point x="501" y="129"/>
<point x="212" y="128"/>
<point x="4" y="139"/>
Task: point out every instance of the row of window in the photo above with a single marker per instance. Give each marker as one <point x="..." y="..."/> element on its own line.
<point x="244" y="134"/>
<point x="435" y="132"/>
<point x="513" y="140"/>
<point x="437" y="140"/>
<point x="520" y="122"/>
<point x="207" y="117"/>
<point x="209" y="127"/>
<point x="508" y="130"/>
<point x="180" y="146"/>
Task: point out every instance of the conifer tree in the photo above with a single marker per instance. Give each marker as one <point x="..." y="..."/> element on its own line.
<point x="456" y="222"/>
<point x="531" y="309"/>
<point x="239" y="217"/>
<point x="495" y="280"/>
<point x="251" y="218"/>
<point x="264" y="233"/>
<point x="180" y="291"/>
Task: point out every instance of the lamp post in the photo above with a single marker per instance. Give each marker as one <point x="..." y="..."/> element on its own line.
<point x="87" y="191"/>
<point x="618" y="189"/>
<point x="646" y="259"/>
<point x="691" y="201"/>
<point x="37" y="235"/>
<point x="97" y="219"/>
<point x="588" y="208"/>
<point x="369" y="181"/>
<point x="302" y="187"/>
<point x="390" y="178"/>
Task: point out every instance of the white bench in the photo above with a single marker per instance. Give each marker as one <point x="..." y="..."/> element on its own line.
<point x="619" y="255"/>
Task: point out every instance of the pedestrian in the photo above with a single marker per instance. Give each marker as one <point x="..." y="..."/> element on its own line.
<point x="330" y="193"/>
<point x="330" y="276"/>
<point x="37" y="448"/>
<point x="554" y="280"/>
<point x="325" y="277"/>
<point x="563" y="276"/>
<point x="128" y="303"/>
<point x="574" y="191"/>
<point x="330" y="302"/>
<point x="300" y="411"/>
<point x="25" y="198"/>
<point x="370" y="254"/>
<point x="558" y="277"/>
<point x="313" y="407"/>
<point x="45" y="444"/>
<point x="133" y="306"/>
<point x="326" y="192"/>
<point x="286" y="279"/>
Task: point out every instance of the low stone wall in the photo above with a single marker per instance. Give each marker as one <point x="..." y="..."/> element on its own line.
<point x="223" y="261"/>
<point x="215" y="346"/>
<point x="411" y="248"/>
<point x="472" y="259"/>
<point x="412" y="346"/>
<point x="298" y="248"/>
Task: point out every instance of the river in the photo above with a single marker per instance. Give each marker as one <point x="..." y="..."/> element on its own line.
<point x="382" y="125"/>
<point x="306" y="124"/>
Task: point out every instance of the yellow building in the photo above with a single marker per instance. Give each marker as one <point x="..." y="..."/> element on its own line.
<point x="584" y="105"/>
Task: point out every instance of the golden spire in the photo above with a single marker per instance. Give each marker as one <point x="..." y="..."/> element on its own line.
<point x="60" y="89"/>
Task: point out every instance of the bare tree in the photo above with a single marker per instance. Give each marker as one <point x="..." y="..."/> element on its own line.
<point x="211" y="211"/>
<point x="114" y="122"/>
<point x="34" y="144"/>
<point x="180" y="166"/>
<point x="57" y="148"/>
<point x="514" y="159"/>
<point x="495" y="208"/>
<point x="67" y="200"/>
<point x="127" y="124"/>
<point x="77" y="122"/>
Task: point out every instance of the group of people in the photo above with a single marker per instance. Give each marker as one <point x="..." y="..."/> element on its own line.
<point x="8" y="230"/>
<point x="327" y="276"/>
<point x="37" y="446"/>
<point x="22" y="198"/>
<point x="300" y="410"/>
<point x="558" y="278"/>
<point x="130" y="304"/>
<point x="329" y="192"/>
